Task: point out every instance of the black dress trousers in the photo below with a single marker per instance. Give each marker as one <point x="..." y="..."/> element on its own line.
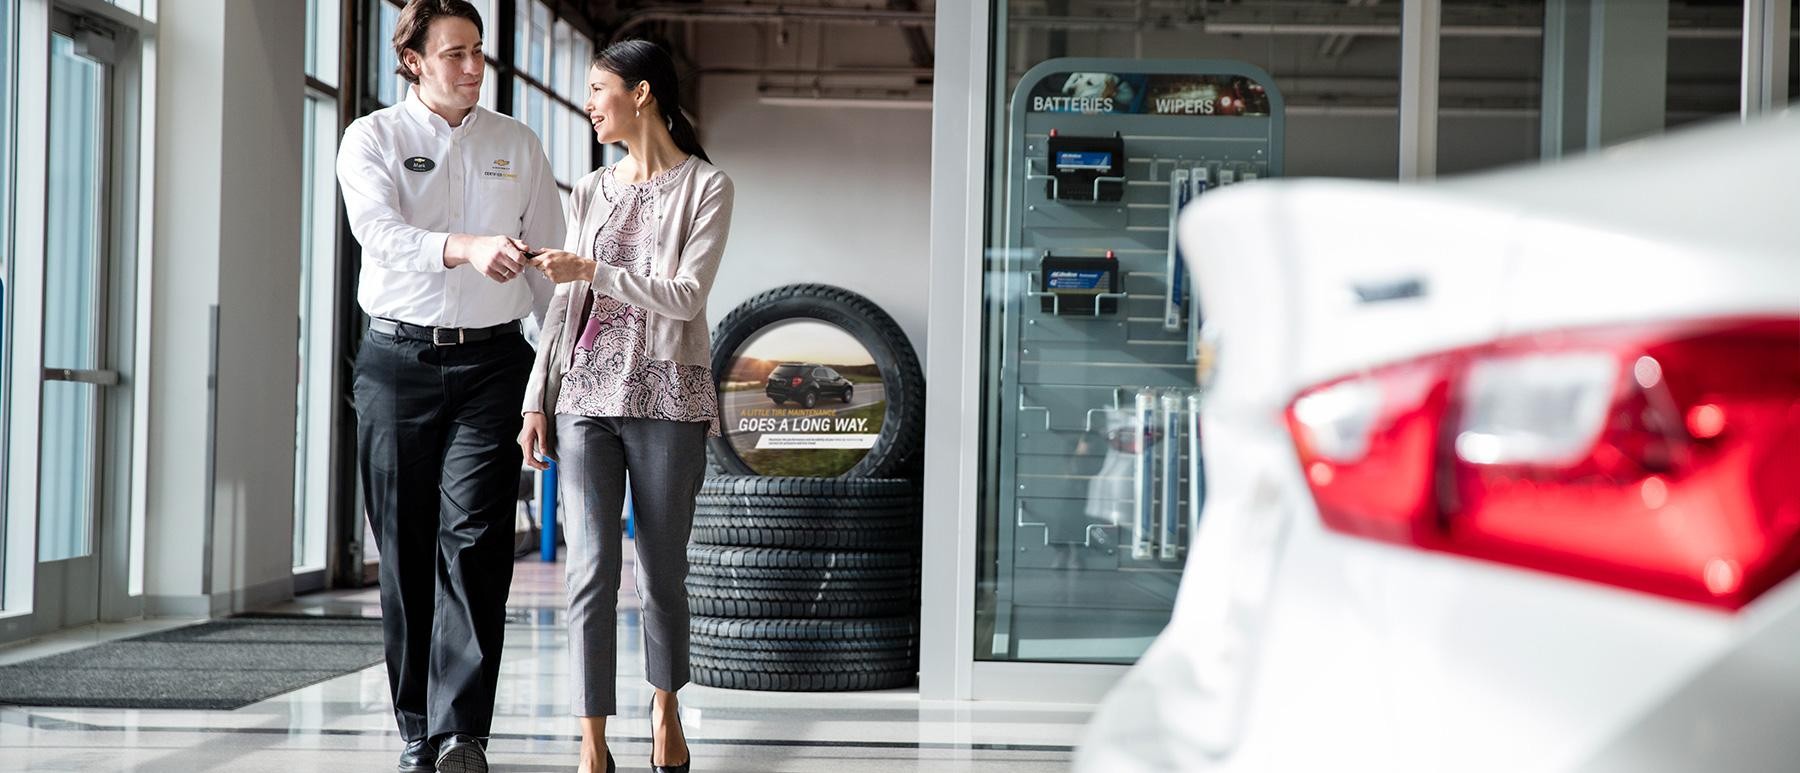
<point x="437" y="431"/>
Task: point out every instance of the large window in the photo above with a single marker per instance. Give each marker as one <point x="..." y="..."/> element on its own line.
<point x="6" y="216"/>
<point x="550" y="62"/>
<point x="318" y="259"/>
<point x="573" y="155"/>
<point x="323" y="51"/>
<point x="389" y="86"/>
<point x="318" y="278"/>
<point x="1490" y="94"/>
<point x="75" y="283"/>
<point x="144" y="8"/>
<point x="490" y="34"/>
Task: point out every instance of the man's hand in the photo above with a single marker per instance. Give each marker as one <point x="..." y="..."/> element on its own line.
<point x="532" y="441"/>
<point x="563" y="266"/>
<point x="499" y="258"/>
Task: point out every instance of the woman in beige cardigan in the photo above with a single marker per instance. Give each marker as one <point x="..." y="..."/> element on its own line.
<point x="624" y="367"/>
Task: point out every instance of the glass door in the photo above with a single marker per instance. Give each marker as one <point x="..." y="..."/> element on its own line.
<point x="76" y="373"/>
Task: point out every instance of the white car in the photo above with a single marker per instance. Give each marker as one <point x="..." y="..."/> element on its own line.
<point x="1503" y="474"/>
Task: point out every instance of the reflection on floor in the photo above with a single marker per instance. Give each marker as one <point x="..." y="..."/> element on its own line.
<point x="346" y="724"/>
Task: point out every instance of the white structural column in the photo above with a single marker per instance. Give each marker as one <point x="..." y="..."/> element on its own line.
<point x="1606" y="65"/>
<point x="1766" y="39"/>
<point x="1419" y="22"/>
<point x="226" y="294"/>
<point x="953" y="363"/>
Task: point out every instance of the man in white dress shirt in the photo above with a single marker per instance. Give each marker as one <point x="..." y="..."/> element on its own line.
<point x="445" y="197"/>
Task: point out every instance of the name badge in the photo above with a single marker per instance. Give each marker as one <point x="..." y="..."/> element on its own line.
<point x="420" y="164"/>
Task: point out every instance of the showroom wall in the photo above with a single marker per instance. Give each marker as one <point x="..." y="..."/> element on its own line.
<point x="838" y="195"/>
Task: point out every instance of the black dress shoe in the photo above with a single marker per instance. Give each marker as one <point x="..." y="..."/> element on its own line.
<point x="683" y="767"/>
<point x="461" y="754"/>
<point x="417" y="758"/>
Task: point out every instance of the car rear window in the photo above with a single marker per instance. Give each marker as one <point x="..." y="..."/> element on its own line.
<point x="785" y="371"/>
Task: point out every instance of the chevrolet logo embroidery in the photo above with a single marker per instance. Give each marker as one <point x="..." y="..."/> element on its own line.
<point x="501" y="170"/>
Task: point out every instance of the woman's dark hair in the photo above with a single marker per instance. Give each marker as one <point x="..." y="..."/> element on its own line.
<point x="637" y="61"/>
<point x="415" y="22"/>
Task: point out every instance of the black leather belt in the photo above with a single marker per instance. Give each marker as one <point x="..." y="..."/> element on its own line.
<point x="442" y="336"/>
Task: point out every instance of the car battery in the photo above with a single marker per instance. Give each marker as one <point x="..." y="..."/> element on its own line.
<point x="1078" y="285"/>
<point x="1086" y="168"/>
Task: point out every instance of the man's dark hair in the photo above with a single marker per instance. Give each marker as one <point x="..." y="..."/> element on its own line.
<point x="415" y="24"/>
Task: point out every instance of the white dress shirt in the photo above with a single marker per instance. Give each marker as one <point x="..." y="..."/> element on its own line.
<point x="410" y="180"/>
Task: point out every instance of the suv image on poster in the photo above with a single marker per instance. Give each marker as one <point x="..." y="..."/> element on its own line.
<point x="802" y="397"/>
<point x="805" y="383"/>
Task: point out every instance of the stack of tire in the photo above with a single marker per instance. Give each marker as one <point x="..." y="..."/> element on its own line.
<point x="812" y="584"/>
<point x="804" y="584"/>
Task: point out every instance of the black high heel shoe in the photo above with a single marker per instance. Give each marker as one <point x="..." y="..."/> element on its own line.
<point x="611" y="767"/>
<point x="683" y="767"/>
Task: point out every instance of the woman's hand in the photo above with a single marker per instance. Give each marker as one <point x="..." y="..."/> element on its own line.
<point x="563" y="266"/>
<point x="533" y="440"/>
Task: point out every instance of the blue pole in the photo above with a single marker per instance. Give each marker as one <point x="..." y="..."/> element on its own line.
<point x="630" y="512"/>
<point x="547" y="514"/>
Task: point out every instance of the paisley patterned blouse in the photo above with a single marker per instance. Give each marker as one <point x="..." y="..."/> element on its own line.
<point x="611" y="375"/>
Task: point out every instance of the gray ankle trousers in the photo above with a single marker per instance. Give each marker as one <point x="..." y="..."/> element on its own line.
<point x="667" y="463"/>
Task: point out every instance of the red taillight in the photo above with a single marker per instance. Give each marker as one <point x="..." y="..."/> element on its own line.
<point x="797" y="381"/>
<point x="1664" y="459"/>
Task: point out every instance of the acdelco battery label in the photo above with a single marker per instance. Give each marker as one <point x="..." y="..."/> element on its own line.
<point x="1075" y="280"/>
<point x="1099" y="161"/>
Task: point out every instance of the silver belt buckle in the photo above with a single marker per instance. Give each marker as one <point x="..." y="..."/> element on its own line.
<point x="438" y="339"/>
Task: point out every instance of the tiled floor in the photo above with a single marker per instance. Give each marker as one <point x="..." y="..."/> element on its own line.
<point x="346" y="724"/>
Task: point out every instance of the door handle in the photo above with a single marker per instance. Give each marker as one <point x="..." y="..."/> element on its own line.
<point x="1178" y="197"/>
<point x="1196" y="483"/>
<point x="1171" y="476"/>
<point x="1143" y="537"/>
<point x="95" y="377"/>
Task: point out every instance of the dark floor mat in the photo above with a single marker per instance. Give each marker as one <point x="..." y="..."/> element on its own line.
<point x="218" y="665"/>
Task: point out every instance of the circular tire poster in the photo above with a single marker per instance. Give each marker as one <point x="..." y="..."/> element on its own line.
<point x="802" y="397"/>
